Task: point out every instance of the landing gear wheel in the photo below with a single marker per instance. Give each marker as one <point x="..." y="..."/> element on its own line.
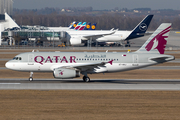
<point x="30" y="79"/>
<point x="31" y="76"/>
<point x="86" y="79"/>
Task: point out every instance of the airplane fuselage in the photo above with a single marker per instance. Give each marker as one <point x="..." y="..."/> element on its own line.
<point x="48" y="61"/>
<point x="117" y="36"/>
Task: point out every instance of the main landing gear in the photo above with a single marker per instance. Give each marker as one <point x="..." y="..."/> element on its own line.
<point x="31" y="76"/>
<point x="127" y="44"/>
<point x="86" y="79"/>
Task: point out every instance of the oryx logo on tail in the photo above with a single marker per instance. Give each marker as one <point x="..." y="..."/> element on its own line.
<point x="159" y="41"/>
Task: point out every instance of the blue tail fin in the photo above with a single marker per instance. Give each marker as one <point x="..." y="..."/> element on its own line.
<point x="87" y="26"/>
<point x="93" y="27"/>
<point x="141" y="28"/>
<point x="73" y="25"/>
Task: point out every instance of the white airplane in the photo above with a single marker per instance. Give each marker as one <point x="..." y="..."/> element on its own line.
<point x="77" y="37"/>
<point x="65" y="65"/>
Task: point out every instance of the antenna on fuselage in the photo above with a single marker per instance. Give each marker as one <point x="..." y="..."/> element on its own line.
<point x="35" y="51"/>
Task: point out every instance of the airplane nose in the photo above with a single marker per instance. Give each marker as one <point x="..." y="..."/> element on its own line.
<point x="8" y="65"/>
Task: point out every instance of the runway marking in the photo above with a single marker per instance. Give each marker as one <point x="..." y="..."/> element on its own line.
<point x="10" y="83"/>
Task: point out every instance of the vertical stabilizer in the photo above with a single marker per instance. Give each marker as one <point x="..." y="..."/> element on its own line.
<point x="78" y="26"/>
<point x="157" y="41"/>
<point x="87" y="26"/>
<point x="141" y="28"/>
<point x="82" y="26"/>
<point x="10" y="21"/>
<point x="93" y="27"/>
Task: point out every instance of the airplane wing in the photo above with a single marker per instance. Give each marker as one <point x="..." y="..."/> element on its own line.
<point x="99" y="34"/>
<point x="87" y="66"/>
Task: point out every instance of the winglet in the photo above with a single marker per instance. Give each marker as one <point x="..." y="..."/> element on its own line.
<point x="111" y="62"/>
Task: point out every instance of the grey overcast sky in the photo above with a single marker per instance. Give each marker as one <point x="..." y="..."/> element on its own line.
<point x="98" y="4"/>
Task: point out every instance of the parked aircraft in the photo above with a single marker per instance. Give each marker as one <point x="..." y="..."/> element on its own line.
<point x="78" y="26"/>
<point x="93" y="27"/>
<point x="74" y="26"/>
<point x="77" y="37"/>
<point x="88" y="26"/>
<point x="66" y="65"/>
<point x="82" y="26"/>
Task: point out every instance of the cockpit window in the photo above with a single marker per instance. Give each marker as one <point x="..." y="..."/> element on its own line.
<point x="17" y="58"/>
<point x="14" y="58"/>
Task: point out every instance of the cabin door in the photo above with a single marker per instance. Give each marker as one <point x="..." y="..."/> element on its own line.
<point x="30" y="59"/>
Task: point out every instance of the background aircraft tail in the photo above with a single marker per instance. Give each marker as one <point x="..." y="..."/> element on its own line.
<point x="73" y="25"/>
<point x="157" y="41"/>
<point x="87" y="26"/>
<point x="93" y="27"/>
<point x="82" y="26"/>
<point x="141" y="28"/>
<point x="10" y="21"/>
<point x="78" y="26"/>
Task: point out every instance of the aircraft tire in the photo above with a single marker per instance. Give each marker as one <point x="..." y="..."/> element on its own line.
<point x="30" y="79"/>
<point x="86" y="79"/>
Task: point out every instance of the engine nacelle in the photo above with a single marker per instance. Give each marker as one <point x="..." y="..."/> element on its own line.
<point x="75" y="41"/>
<point x="63" y="73"/>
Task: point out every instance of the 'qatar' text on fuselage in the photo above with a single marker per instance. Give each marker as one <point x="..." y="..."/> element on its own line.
<point x="58" y="59"/>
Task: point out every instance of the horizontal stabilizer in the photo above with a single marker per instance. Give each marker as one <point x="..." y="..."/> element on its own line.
<point x="160" y="59"/>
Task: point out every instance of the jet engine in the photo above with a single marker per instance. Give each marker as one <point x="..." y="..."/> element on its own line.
<point x="75" y="41"/>
<point x="64" y="73"/>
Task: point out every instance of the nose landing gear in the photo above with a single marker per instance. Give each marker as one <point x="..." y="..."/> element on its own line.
<point x="31" y="76"/>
